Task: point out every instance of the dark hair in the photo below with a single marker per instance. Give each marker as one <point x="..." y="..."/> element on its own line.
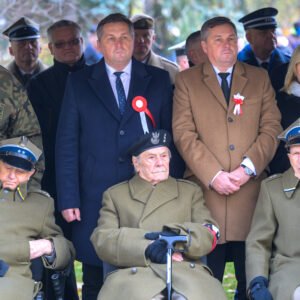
<point x="192" y="38"/>
<point x="62" y="23"/>
<point x="114" y="18"/>
<point x="211" y="23"/>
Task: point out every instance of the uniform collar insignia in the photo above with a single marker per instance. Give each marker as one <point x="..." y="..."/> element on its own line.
<point x="19" y="195"/>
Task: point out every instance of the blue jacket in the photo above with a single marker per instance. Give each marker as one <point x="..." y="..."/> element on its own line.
<point x="93" y="138"/>
<point x="277" y="57"/>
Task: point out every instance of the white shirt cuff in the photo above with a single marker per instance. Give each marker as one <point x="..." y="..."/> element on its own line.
<point x="247" y="162"/>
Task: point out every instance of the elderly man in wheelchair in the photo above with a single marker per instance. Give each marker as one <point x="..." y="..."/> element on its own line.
<point x="28" y="228"/>
<point x="137" y="217"/>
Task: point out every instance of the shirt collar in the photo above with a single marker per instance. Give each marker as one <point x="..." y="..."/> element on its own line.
<point x="127" y="70"/>
<point x="229" y="70"/>
<point x="262" y="61"/>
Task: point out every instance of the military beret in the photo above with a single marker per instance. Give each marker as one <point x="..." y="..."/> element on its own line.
<point x="263" y="18"/>
<point x="291" y="135"/>
<point x="142" y="21"/>
<point x="20" y="153"/>
<point x="23" y="29"/>
<point x="154" y="139"/>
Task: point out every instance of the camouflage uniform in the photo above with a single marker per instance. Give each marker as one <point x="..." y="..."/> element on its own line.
<point x="17" y="117"/>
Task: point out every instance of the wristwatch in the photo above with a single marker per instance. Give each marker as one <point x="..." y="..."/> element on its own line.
<point x="247" y="170"/>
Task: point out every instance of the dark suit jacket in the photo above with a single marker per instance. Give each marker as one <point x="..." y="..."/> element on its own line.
<point x="289" y="106"/>
<point x="277" y="58"/>
<point x="93" y="138"/>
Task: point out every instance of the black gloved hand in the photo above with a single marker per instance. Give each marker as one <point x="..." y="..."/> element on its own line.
<point x="157" y="252"/>
<point x="3" y="267"/>
<point x="155" y="234"/>
<point x="259" y="289"/>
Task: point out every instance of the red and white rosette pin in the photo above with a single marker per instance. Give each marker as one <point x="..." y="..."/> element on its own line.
<point x="238" y="100"/>
<point x="139" y="104"/>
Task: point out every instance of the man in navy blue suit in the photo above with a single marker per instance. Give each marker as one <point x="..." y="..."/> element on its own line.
<point x="106" y="107"/>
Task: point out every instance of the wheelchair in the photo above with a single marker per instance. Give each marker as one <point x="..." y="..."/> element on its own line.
<point x="56" y="278"/>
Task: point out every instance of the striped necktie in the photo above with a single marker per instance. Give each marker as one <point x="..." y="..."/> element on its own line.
<point x="120" y="92"/>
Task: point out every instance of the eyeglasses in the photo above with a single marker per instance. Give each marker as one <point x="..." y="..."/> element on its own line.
<point x="71" y="43"/>
<point x="23" y="43"/>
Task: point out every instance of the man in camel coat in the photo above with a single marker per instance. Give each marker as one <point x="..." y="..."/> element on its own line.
<point x="225" y="130"/>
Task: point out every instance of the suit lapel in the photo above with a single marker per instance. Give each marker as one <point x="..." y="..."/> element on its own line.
<point x="211" y="81"/>
<point x="139" y="82"/>
<point x="100" y="84"/>
<point x="238" y="82"/>
<point x="153" y="197"/>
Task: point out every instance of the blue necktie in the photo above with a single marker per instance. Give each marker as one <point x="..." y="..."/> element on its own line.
<point x="224" y="85"/>
<point x="120" y="92"/>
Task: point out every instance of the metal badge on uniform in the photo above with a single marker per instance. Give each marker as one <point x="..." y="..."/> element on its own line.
<point x="155" y="138"/>
<point x="139" y="104"/>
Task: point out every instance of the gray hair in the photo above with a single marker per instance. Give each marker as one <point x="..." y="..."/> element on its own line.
<point x="60" y="24"/>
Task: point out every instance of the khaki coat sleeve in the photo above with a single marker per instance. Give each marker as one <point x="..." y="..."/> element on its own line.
<point x="264" y="147"/>
<point x="64" y="249"/>
<point x="123" y="247"/>
<point x="260" y="238"/>
<point x="201" y="239"/>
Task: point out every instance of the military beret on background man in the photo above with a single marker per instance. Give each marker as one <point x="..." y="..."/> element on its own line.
<point x="262" y="50"/>
<point x="143" y="41"/>
<point x="24" y="37"/>
<point x="159" y="138"/>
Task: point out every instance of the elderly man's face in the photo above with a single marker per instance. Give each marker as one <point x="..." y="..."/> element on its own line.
<point x="153" y="165"/>
<point x="294" y="157"/>
<point x="25" y="52"/>
<point x="12" y="177"/>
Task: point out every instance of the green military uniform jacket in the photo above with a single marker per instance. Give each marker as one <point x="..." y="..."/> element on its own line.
<point x="27" y="216"/>
<point x="14" y="69"/>
<point x="135" y="207"/>
<point x="18" y="118"/>
<point x="273" y="244"/>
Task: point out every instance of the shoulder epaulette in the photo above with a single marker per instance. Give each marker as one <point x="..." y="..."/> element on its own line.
<point x="41" y="192"/>
<point x="118" y="184"/>
<point x="188" y="181"/>
<point x="272" y="177"/>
